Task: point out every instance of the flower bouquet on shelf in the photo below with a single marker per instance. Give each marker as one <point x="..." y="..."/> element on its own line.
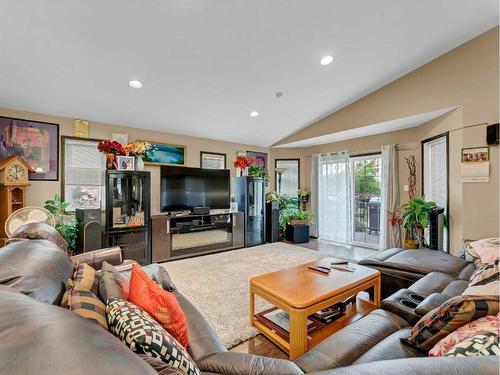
<point x="140" y="150"/>
<point x="242" y="163"/>
<point x="111" y="149"/>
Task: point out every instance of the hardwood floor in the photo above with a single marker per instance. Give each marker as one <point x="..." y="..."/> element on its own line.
<point x="259" y="344"/>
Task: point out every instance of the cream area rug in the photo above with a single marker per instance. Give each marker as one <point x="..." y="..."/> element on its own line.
<point x="218" y="284"/>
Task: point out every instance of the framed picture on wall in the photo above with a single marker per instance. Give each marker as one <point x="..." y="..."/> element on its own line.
<point x="260" y="158"/>
<point x="36" y="142"/>
<point x="475" y="154"/>
<point x="165" y="154"/>
<point x="212" y="160"/>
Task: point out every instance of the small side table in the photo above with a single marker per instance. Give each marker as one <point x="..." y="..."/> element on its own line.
<point x="297" y="233"/>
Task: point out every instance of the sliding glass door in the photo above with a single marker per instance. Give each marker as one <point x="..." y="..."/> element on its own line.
<point x="366" y="200"/>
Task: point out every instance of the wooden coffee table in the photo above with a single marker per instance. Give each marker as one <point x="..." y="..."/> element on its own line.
<point x="302" y="292"/>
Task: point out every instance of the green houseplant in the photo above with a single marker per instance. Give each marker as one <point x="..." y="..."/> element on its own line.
<point x="258" y="171"/>
<point x="416" y="217"/>
<point x="69" y="229"/>
<point x="300" y="217"/>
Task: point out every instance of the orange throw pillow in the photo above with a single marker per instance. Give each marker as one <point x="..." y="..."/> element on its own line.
<point x="159" y="303"/>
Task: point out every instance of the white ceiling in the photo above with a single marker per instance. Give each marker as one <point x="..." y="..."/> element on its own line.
<point x="364" y="131"/>
<point x="206" y="64"/>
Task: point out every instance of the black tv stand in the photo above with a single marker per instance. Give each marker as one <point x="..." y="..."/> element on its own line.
<point x="182" y="236"/>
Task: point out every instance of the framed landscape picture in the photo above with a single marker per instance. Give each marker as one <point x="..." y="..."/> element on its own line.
<point x="36" y="142"/>
<point x="166" y="154"/>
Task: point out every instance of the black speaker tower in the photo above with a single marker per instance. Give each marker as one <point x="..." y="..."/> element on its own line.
<point x="89" y="229"/>
<point x="272" y="222"/>
<point x="436" y="225"/>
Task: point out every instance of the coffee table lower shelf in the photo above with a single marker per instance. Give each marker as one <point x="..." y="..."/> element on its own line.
<point x="282" y="340"/>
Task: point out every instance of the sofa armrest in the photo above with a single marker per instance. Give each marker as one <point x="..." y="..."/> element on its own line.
<point x="430" y="303"/>
<point x="112" y="255"/>
<point x="484" y="365"/>
<point x="229" y="363"/>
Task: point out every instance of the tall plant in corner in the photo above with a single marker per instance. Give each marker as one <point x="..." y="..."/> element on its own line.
<point x="68" y="230"/>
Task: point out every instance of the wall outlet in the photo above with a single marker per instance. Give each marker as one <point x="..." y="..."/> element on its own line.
<point x="405" y="188"/>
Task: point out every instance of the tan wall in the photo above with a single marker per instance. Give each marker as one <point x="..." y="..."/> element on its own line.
<point x="466" y="77"/>
<point x="39" y="191"/>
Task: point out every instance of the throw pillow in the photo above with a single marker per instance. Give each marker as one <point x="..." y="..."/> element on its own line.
<point x="487" y="249"/>
<point x="112" y="283"/>
<point x="85" y="303"/>
<point x="485" y="275"/>
<point x="87" y="277"/>
<point x="141" y="333"/>
<point x="159" y="275"/>
<point x="485" y="344"/>
<point x="159" y="303"/>
<point x="452" y="314"/>
<point x="480" y="326"/>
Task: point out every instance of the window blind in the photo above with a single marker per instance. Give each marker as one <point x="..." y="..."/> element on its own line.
<point x="289" y="179"/>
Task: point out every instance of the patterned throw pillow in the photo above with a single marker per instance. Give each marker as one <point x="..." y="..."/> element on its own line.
<point x="143" y="334"/>
<point x="84" y="303"/>
<point x="485" y="344"/>
<point x="480" y="326"/>
<point x="488" y="250"/>
<point x="160" y="304"/>
<point x="87" y="277"/>
<point x="452" y="314"/>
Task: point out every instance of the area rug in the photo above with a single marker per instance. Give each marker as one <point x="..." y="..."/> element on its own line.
<point x="218" y="284"/>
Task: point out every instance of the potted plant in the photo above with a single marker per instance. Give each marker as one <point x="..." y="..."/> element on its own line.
<point x="300" y="217"/>
<point x="259" y="171"/>
<point x="67" y="229"/>
<point x="111" y="149"/>
<point x="304" y="195"/>
<point x="416" y="217"/>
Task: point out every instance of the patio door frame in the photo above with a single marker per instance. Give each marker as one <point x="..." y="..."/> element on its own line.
<point x="352" y="159"/>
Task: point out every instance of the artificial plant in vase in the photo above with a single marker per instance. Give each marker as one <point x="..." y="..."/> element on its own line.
<point x="242" y="163"/>
<point x="67" y="229"/>
<point x="416" y="217"/>
<point x="110" y="149"/>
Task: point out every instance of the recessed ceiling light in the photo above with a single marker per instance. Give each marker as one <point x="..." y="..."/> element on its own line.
<point x="254" y="114"/>
<point x="325" y="60"/>
<point x="135" y="84"/>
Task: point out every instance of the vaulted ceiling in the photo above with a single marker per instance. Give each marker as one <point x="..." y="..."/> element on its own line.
<point x="206" y="65"/>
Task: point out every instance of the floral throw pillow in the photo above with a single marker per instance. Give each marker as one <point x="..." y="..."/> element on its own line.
<point x="487" y="324"/>
<point x="452" y="314"/>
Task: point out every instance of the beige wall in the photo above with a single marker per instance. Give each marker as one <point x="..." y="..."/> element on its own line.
<point x="39" y="191"/>
<point x="466" y="77"/>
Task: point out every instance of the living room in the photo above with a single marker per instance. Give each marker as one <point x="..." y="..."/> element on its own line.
<point x="253" y="187"/>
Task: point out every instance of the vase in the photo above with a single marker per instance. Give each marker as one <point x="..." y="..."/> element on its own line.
<point x="139" y="163"/>
<point x="110" y="158"/>
<point x="244" y="172"/>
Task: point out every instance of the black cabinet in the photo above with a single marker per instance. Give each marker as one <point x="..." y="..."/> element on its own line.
<point x="128" y="213"/>
<point x="249" y="192"/>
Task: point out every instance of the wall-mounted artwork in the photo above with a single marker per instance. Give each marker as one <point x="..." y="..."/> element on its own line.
<point x="212" y="160"/>
<point x="162" y="153"/>
<point x="260" y="158"/>
<point x="36" y="142"/>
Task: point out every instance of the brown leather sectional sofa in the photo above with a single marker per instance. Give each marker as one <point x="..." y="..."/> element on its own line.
<point x="39" y="337"/>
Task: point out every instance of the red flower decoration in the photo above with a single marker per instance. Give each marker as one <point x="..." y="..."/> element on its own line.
<point x="244" y="162"/>
<point x="111" y="147"/>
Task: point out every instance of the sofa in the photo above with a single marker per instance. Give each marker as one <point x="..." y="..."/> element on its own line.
<point x="39" y="337"/>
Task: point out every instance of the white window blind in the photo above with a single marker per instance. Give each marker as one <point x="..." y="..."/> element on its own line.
<point x="84" y="171"/>
<point x="435" y="171"/>
<point x="289" y="179"/>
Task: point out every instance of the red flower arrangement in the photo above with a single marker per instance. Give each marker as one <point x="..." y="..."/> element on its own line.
<point x="244" y="162"/>
<point x="111" y="147"/>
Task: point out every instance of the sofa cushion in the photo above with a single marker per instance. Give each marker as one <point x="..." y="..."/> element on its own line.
<point x="434" y="282"/>
<point x="467" y="272"/>
<point x="37" y="268"/>
<point x="455" y="288"/>
<point x="347" y="345"/>
<point x="143" y="334"/>
<point x="112" y="284"/>
<point x="39" y="338"/>
<point x="390" y="348"/>
<point x="84" y="303"/>
<point x="482" y="325"/>
<point x="446" y="318"/>
<point x="159" y="303"/>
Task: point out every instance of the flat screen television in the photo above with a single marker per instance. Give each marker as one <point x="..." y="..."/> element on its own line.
<point x="183" y="188"/>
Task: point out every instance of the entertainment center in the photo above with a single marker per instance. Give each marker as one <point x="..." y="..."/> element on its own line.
<point x="195" y="218"/>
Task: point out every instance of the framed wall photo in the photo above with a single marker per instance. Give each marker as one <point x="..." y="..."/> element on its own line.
<point x="212" y="160"/>
<point x="165" y="154"/>
<point x="125" y="163"/>
<point x="475" y="154"/>
<point x="260" y="158"/>
<point x="36" y="142"/>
